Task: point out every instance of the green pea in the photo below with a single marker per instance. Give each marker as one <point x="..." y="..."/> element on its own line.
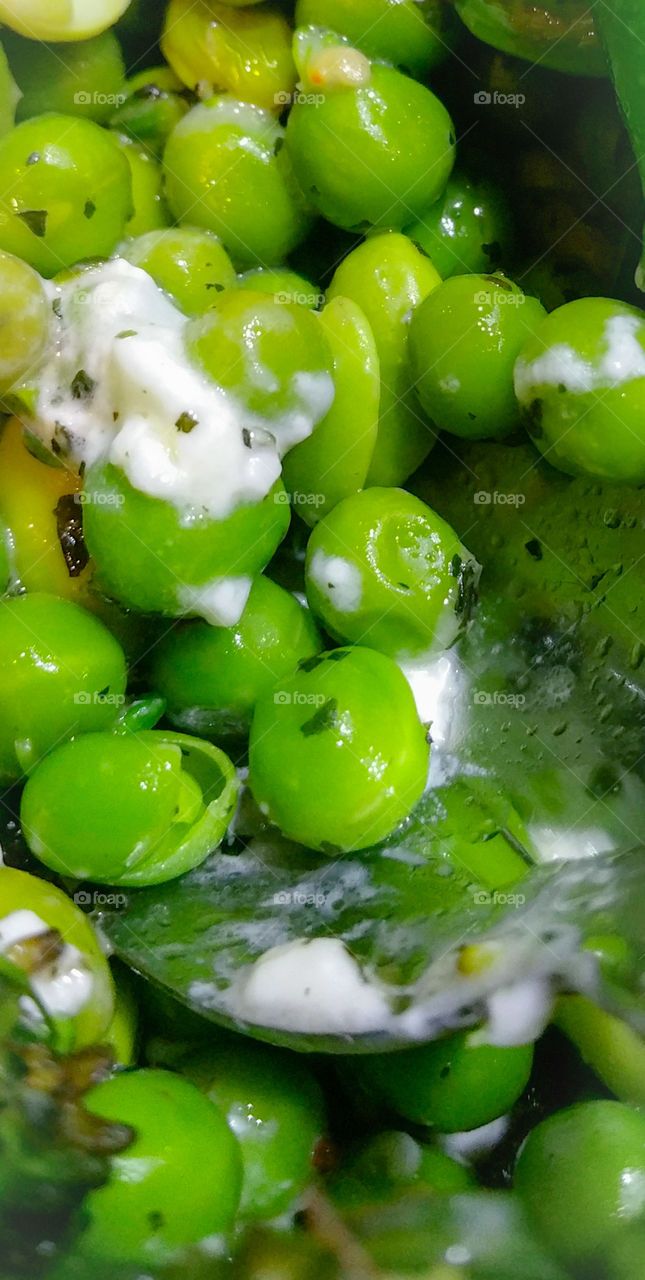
<point x="175" y="798"/>
<point x="452" y="1084"/>
<point x="393" y="1160"/>
<point x="272" y="356"/>
<point x="153" y="103"/>
<point x="385" y="570"/>
<point x="9" y="95"/>
<point x="147" y="557"/>
<point x="414" y="36"/>
<point x="336" y="458"/>
<point x="228" y="171"/>
<point x="66" y="192"/>
<point x="84" y="78"/>
<point x="581" y="1175"/>
<point x="283" y="284"/>
<point x="176" y="1184"/>
<point x="70" y="978"/>
<point x="373" y="155"/>
<point x="62" y="673"/>
<point x="464" y="341"/>
<point x="469" y="228"/>
<point x="150" y="209"/>
<point x="6" y="557"/>
<point x="337" y="755"/>
<point x="191" y="265"/>
<point x="122" y="1031"/>
<point x="246" y="53"/>
<point x="274" y="1108"/>
<point x="580" y="383"/>
<point x="25" y="320"/>
<point x="388" y="277"/>
<point x="212" y="677"/>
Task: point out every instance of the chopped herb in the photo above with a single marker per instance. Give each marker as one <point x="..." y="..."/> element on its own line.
<point x="247" y="438"/>
<point x="326" y="717"/>
<point x="185" y="422"/>
<point x="534" y="549"/>
<point x="466" y="574"/>
<point x="115" y="415"/>
<point x="81" y="469"/>
<point x="89" y="209"/>
<point x="310" y="664"/>
<point x="57" y="308"/>
<point x="215" y="284"/>
<point x="69" y="525"/>
<point x="36" y="220"/>
<point x="83" y="385"/>
<point x="127" y="333"/>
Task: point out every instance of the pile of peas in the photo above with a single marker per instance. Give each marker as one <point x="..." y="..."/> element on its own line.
<point x="293" y="188"/>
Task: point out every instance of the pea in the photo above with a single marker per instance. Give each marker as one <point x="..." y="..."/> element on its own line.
<point x="334" y="461"/>
<point x="66" y="192"/>
<point x="388" y="277"/>
<point x="122" y="1031"/>
<point x="228" y="171"/>
<point x="9" y="95"/>
<point x="153" y="103"/>
<point x="24" y="320"/>
<point x="414" y="36"/>
<point x="147" y="557"/>
<point x="469" y="228"/>
<point x="373" y="155"/>
<point x="452" y="1084"/>
<point x="191" y="265"/>
<point x="274" y="1108"/>
<point x="84" y="78"/>
<point x="61" y="673"/>
<point x="385" y="570"/>
<point x="580" y="383"/>
<point x="393" y="1159"/>
<point x="175" y="798"/>
<point x="246" y="53"/>
<point x="68" y="973"/>
<point x="337" y="755"/>
<point x="273" y="357"/>
<point x="212" y="677"/>
<point x="581" y="1175"/>
<point x="464" y="341"/>
<point x="176" y="1184"/>
<point x="150" y="210"/>
<point x="283" y="284"/>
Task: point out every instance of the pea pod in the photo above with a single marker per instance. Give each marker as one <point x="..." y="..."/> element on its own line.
<point x="612" y="1049"/>
<point x="622" y="29"/>
<point x="560" y="34"/>
<point x="414" y="36"/>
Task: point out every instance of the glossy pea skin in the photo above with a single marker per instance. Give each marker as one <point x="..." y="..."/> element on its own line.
<point x="246" y="53"/>
<point x="376" y="155"/>
<point x="153" y="104"/>
<point x="20" y="891"/>
<point x="335" y="460"/>
<point x="453" y="1084"/>
<point x="61" y="673"/>
<point x="464" y="341"/>
<point x="191" y="265"/>
<point x="212" y="677"/>
<point x="469" y="228"/>
<point x="411" y="35"/>
<point x="385" y="570"/>
<point x="177" y="1183"/>
<point x="388" y="277"/>
<point x="67" y="192"/>
<point x="283" y="284"/>
<point x="122" y="1030"/>
<point x="581" y="1176"/>
<point x="9" y="95"/>
<point x="228" y="171"/>
<point x="337" y="754"/>
<point x="580" y="383"/>
<point x="147" y="559"/>
<point x="275" y="1109"/>
<point x="25" y="316"/>
<point x="150" y="209"/>
<point x="84" y="78"/>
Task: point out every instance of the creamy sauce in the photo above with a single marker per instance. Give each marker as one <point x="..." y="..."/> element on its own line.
<point x="63" y="986"/>
<point x="340" y="581"/>
<point x="622" y="361"/>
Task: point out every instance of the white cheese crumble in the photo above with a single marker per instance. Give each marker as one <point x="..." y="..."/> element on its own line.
<point x="340" y="581"/>
<point x="622" y="361"/>
<point x="64" y="985"/>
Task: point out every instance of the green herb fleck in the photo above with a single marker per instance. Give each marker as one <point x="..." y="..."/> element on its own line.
<point x="89" y="209"/>
<point x="36" y="220"/>
<point x="83" y="385"/>
<point x="185" y="422"/>
<point x="127" y="333"/>
<point x="326" y="717"/>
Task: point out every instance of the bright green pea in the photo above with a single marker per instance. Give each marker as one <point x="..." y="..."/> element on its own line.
<point x="283" y="284"/>
<point x="388" y="277"/>
<point x="337" y="754"/>
<point x="6" y="549"/>
<point x="414" y="36"/>
<point x="84" y="78"/>
<point x="336" y="458"/>
<point x="580" y="383"/>
<point x="150" y="209"/>
<point x="212" y="677"/>
<point x="191" y="265"/>
<point x="452" y="1084"/>
<point x="373" y="155"/>
<point x="272" y="356"/>
<point x="228" y="171"/>
<point x="9" y="95"/>
<point x="62" y="673"/>
<point x="385" y="570"/>
<point x="25" y="320"/>
<point x="274" y="1108"/>
<point x="128" y="809"/>
<point x="469" y="228"/>
<point x="65" y="192"/>
<point x="177" y="1183"/>
<point x="150" y="560"/>
<point x="153" y="104"/>
<point x="464" y="341"/>
<point x="581" y="1175"/>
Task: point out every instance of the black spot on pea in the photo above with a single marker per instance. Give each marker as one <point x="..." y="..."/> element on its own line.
<point x="534" y="548"/>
